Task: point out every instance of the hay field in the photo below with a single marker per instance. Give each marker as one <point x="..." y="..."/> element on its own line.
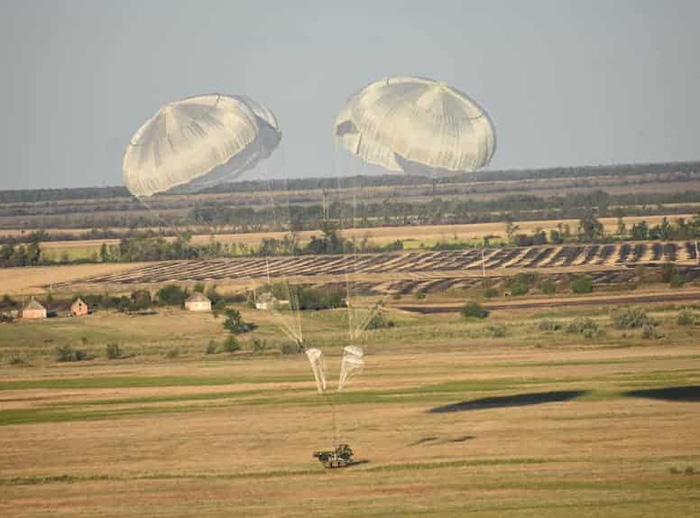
<point x="446" y="421"/>
<point x="31" y="280"/>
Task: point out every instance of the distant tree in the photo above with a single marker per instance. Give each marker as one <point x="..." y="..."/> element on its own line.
<point x="589" y="227"/>
<point x="234" y="322"/>
<point x="172" y="295"/>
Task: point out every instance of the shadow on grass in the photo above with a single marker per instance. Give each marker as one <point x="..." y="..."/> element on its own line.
<point x="536" y="398"/>
<point x="688" y="393"/>
<point x="357" y="463"/>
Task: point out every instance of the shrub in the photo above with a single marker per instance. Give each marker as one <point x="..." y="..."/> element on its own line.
<point x="17" y="360"/>
<point x="581" y="284"/>
<point x="497" y="331"/>
<point x="583" y="326"/>
<point x="218" y="308"/>
<point x="140" y="300"/>
<point x="113" y="351"/>
<point x="548" y="287"/>
<point x="631" y="317"/>
<point x="288" y="348"/>
<point x="473" y="310"/>
<point x="234" y="322"/>
<point x="211" y="347"/>
<point x="231" y="344"/>
<point x="668" y="271"/>
<point x="549" y="325"/>
<point x="396" y="296"/>
<point x="489" y="293"/>
<point x="650" y="331"/>
<point x="379" y="321"/>
<point x="172" y="353"/>
<point x="419" y="295"/>
<point x="676" y="281"/>
<point x="519" y="288"/>
<point x="172" y="295"/>
<point x="259" y="346"/>
<point x="65" y="353"/>
<point x="686" y="317"/>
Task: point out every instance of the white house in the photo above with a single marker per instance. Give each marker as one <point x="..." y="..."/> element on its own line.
<point x="198" y="302"/>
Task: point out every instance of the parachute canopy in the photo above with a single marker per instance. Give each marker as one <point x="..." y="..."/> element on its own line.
<point x="318" y="366"/>
<point x="416" y="125"/>
<point x="352" y="364"/>
<point x="198" y="142"/>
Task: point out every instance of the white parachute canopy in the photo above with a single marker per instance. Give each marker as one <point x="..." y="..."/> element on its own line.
<point x="191" y="144"/>
<point x="352" y="365"/>
<point x="418" y="126"/>
<point x="318" y="366"/>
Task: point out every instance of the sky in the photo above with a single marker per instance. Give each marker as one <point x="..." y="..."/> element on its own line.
<point x="566" y="83"/>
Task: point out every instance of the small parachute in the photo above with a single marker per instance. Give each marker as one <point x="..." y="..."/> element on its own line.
<point x="417" y="126"/>
<point x="318" y="366"/>
<point x="198" y="142"/>
<point x="351" y="366"/>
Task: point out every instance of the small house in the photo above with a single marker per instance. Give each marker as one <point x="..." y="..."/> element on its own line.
<point x="198" y="302"/>
<point x="33" y="310"/>
<point x="79" y="308"/>
<point x="267" y="301"/>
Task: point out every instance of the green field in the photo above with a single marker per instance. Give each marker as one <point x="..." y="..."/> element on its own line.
<point x="450" y="418"/>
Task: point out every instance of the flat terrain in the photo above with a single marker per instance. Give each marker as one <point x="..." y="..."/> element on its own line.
<point x="447" y="420"/>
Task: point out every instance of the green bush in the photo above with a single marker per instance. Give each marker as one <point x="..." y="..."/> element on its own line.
<point x="211" y="347"/>
<point x="473" y="309"/>
<point x="66" y="353"/>
<point x="396" y="296"/>
<point x="489" y="293"/>
<point x="113" y="351"/>
<point x="583" y="326"/>
<point x="172" y="353"/>
<point x="686" y="317"/>
<point x="496" y="331"/>
<point x="379" y="321"/>
<point x="581" y="284"/>
<point x="172" y="295"/>
<point x="676" y="281"/>
<point x="668" y="271"/>
<point x="548" y="287"/>
<point x="17" y="360"/>
<point x="519" y="288"/>
<point x="549" y="325"/>
<point x="288" y="348"/>
<point x="631" y="317"/>
<point x="259" y="346"/>
<point x="231" y="345"/>
<point x="234" y="322"/>
<point x="650" y="331"/>
<point x="419" y="295"/>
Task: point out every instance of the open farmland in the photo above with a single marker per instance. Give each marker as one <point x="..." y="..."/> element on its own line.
<point x="446" y="421"/>
<point x="390" y="273"/>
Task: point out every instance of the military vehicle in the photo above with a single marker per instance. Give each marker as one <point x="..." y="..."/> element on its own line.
<point x="338" y="458"/>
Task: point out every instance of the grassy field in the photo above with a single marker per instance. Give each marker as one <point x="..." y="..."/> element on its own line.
<point x="450" y="418"/>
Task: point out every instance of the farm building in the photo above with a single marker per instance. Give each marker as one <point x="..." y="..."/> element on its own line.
<point x="268" y="301"/>
<point x="33" y="310"/>
<point x="79" y="308"/>
<point x="198" y="302"/>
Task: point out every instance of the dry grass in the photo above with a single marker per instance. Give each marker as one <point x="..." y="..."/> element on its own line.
<point x="29" y="281"/>
<point x="234" y="437"/>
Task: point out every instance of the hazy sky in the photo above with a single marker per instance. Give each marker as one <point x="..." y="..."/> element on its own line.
<point x="566" y="83"/>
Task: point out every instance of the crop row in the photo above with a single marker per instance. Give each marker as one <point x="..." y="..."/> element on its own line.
<point x="403" y="265"/>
